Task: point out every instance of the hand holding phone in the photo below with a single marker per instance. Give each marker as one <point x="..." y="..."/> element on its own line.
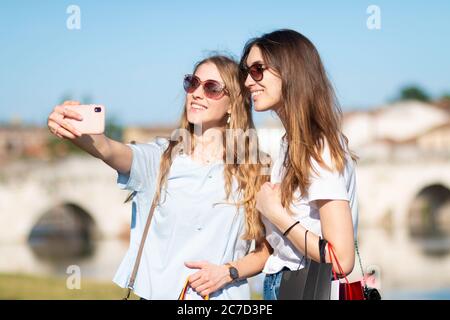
<point x="71" y="120"/>
<point x="93" y="118"/>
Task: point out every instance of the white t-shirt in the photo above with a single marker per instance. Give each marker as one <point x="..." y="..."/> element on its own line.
<point x="324" y="185"/>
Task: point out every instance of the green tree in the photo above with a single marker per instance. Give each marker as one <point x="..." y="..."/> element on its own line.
<point x="85" y="99"/>
<point x="413" y="92"/>
<point x="113" y="129"/>
<point x="446" y="96"/>
<point x="65" y="97"/>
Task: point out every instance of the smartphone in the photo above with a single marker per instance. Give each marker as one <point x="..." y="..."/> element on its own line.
<point x="93" y="118"/>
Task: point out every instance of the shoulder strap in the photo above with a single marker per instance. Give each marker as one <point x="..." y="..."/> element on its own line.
<point x="130" y="287"/>
<point x="141" y="248"/>
<point x="360" y="265"/>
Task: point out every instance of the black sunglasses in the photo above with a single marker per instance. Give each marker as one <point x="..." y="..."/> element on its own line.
<point x="256" y="71"/>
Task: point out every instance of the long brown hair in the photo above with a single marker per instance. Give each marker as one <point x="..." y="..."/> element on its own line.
<point x="309" y="109"/>
<point x="248" y="174"/>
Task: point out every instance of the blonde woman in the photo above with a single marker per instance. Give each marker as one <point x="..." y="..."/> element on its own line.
<point x="312" y="192"/>
<point x="205" y="218"/>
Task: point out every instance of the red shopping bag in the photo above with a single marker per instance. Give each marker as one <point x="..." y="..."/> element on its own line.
<point x="351" y="291"/>
<point x="347" y="290"/>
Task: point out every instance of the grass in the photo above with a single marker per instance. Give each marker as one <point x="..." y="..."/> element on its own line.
<point x="26" y="287"/>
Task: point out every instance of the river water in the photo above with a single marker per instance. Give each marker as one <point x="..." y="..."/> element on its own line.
<point x="405" y="268"/>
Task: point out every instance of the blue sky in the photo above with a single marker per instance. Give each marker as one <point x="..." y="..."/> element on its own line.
<point x="131" y="55"/>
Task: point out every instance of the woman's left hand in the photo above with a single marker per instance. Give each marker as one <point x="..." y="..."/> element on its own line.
<point x="210" y="277"/>
<point x="268" y="201"/>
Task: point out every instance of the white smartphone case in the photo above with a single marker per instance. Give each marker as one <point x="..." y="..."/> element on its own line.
<point x="93" y="118"/>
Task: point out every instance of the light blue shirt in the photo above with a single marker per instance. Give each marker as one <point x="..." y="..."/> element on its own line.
<point x="191" y="223"/>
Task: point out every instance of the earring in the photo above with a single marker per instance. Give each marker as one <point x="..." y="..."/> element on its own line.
<point x="229" y="118"/>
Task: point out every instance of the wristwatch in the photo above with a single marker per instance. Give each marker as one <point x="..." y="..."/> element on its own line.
<point x="234" y="274"/>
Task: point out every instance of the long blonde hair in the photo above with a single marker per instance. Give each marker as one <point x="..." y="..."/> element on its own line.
<point x="248" y="174"/>
<point x="310" y="112"/>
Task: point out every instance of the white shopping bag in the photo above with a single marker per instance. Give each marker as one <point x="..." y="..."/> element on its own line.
<point x="334" y="294"/>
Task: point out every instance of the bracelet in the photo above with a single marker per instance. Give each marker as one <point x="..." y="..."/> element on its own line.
<point x="289" y="229"/>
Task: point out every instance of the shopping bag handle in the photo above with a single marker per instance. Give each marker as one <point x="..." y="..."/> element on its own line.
<point x="341" y="271"/>
<point x="331" y="252"/>
<point x="184" y="290"/>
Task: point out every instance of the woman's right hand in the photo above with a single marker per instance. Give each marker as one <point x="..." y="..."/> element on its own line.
<point x="57" y="124"/>
<point x="116" y="154"/>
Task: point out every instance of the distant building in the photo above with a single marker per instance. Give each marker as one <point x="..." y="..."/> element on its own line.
<point x="405" y="130"/>
<point x="402" y="130"/>
<point x="435" y="140"/>
<point x="18" y="141"/>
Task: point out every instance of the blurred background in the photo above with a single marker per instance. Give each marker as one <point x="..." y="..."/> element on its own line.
<point x="61" y="213"/>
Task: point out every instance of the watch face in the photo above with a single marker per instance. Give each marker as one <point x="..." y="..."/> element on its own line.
<point x="234" y="273"/>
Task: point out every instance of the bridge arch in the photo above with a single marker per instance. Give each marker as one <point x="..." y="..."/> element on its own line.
<point x="63" y="231"/>
<point x="428" y="219"/>
<point x="429" y="212"/>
